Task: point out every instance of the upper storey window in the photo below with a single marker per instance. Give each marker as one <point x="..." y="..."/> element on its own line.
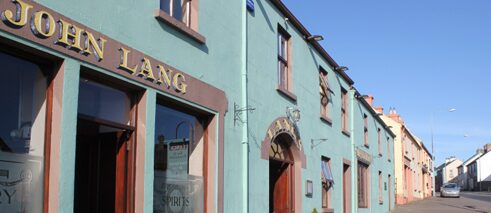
<point x="284" y="63"/>
<point x="182" y="15"/>
<point x="344" y="110"/>
<point x="325" y="93"/>
<point x="179" y="9"/>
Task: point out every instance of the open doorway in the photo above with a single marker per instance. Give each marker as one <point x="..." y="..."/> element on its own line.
<point x="104" y="162"/>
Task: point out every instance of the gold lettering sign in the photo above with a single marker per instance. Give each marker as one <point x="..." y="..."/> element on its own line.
<point x="53" y="30"/>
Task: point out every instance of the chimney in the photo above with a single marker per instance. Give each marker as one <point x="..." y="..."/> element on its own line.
<point x="379" y="110"/>
<point x="394" y="116"/>
<point x="369" y="99"/>
<point x="479" y="151"/>
<point x="487" y="147"/>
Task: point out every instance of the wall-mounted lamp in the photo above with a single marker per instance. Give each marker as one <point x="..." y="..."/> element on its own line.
<point x="309" y="188"/>
<point x="315" y="38"/>
<point x="293" y="114"/>
<point x="341" y="68"/>
<point x="321" y="140"/>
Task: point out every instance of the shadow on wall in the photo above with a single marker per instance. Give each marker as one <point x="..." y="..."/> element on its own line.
<point x="260" y="4"/>
<point x="178" y="35"/>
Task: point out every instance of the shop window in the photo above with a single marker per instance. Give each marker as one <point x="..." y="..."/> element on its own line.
<point x="325" y="94"/>
<point x="327" y="183"/>
<point x="179" y="171"/>
<point x="344" y="111"/>
<point x="23" y="88"/>
<point x="284" y="63"/>
<point x="363" y="185"/>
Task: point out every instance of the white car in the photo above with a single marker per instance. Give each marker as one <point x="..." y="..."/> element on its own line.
<point x="450" y="190"/>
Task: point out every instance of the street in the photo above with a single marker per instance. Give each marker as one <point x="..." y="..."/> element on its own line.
<point x="468" y="202"/>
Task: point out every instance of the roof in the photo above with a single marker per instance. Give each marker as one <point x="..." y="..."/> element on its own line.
<point x="445" y="164"/>
<point x="296" y="23"/>
<point x="472" y="159"/>
<point x="374" y="114"/>
<point x="478" y="158"/>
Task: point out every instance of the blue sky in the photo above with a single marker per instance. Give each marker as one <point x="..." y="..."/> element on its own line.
<point x="421" y="57"/>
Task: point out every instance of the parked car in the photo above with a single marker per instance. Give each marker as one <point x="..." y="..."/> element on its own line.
<point x="450" y="190"/>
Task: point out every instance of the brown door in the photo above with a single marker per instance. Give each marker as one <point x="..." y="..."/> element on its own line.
<point x="280" y="187"/>
<point x="346" y="188"/>
<point x="100" y="168"/>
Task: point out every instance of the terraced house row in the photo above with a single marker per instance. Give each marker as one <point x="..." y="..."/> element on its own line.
<point x="183" y="106"/>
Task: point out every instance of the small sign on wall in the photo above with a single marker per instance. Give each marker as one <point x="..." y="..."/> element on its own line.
<point x="250" y="5"/>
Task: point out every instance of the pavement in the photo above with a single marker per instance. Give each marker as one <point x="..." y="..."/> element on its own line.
<point x="469" y="202"/>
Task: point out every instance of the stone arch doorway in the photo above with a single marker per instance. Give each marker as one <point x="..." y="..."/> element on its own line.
<point x="282" y="147"/>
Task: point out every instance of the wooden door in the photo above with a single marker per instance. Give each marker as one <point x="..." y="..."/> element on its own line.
<point x="101" y="169"/>
<point x="346" y="189"/>
<point x="282" y="192"/>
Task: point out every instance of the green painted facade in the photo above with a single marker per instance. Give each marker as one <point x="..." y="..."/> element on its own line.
<point x="218" y="62"/>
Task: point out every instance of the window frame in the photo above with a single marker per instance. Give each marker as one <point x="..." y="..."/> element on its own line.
<point x="188" y="28"/>
<point x="379" y="141"/>
<point x="284" y="58"/>
<point x="50" y="66"/>
<point x="380" y="188"/>
<point x="344" y="111"/>
<point x="363" y="185"/>
<point x="388" y="150"/>
<point x="325" y="92"/>
<point x="326" y="193"/>
<point x="365" y="131"/>
<point x="207" y="125"/>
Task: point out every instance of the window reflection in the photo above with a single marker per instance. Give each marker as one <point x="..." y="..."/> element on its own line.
<point x="22" y="131"/>
<point x="179" y="145"/>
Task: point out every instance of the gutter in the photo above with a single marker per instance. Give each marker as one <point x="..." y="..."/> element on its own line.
<point x="354" y="162"/>
<point x="244" y="101"/>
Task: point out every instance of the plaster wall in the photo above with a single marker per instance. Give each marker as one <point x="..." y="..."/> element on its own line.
<point x="217" y="62"/>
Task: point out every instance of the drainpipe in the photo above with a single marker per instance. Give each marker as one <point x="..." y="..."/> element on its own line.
<point x="354" y="162"/>
<point x="244" y="101"/>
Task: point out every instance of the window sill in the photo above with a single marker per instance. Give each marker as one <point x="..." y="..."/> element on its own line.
<point x="179" y="26"/>
<point x="326" y="119"/>
<point x="324" y="210"/>
<point x="287" y="93"/>
<point x="346" y="133"/>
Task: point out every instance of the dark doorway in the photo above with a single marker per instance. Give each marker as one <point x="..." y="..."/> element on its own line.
<point x="100" y="167"/>
<point x="104" y="161"/>
<point x="280" y="176"/>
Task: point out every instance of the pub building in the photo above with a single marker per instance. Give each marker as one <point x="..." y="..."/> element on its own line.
<point x="92" y="124"/>
<point x="181" y="106"/>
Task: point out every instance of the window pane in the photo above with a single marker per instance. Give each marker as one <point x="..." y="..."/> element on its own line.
<point x="178" y="10"/>
<point x="178" y="168"/>
<point x="165" y="5"/>
<point x="22" y="131"/>
<point x="282" y="75"/>
<point x="103" y="102"/>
